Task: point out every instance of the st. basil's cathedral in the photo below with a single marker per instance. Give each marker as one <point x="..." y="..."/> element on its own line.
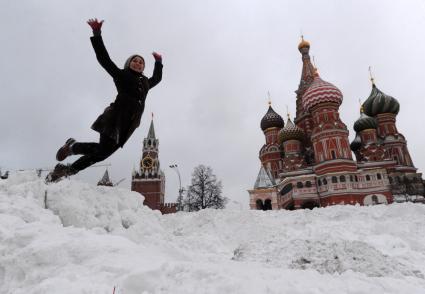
<point x="309" y="163"/>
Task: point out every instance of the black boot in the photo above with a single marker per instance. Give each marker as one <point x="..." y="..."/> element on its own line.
<point x="65" y="150"/>
<point x="59" y="172"/>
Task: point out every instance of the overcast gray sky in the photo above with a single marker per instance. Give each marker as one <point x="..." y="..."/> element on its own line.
<point x="220" y="59"/>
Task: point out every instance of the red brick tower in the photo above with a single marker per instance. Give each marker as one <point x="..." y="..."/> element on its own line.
<point x="150" y="180"/>
<point x="291" y="137"/>
<point x="330" y="135"/>
<point x="403" y="176"/>
<point x="303" y="118"/>
<point x="270" y="153"/>
<point x="385" y="109"/>
<point x="366" y="146"/>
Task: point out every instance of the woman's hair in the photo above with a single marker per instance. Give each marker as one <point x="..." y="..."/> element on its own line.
<point x="127" y="62"/>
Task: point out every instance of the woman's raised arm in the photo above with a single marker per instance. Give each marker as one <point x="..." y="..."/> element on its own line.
<point x="157" y="71"/>
<point x="100" y="49"/>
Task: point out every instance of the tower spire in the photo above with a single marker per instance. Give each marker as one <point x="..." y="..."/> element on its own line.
<point x="151" y="133"/>
<point x="371" y="76"/>
<point x="316" y="70"/>
<point x="361" y="106"/>
<point x="308" y="73"/>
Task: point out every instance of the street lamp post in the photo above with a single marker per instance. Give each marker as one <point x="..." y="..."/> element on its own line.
<point x="180" y="199"/>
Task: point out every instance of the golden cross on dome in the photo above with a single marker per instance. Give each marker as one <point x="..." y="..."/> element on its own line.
<point x="371" y="76"/>
<point x="287" y="112"/>
<point x="316" y="71"/>
<point x="361" y="106"/>
<point x="268" y="96"/>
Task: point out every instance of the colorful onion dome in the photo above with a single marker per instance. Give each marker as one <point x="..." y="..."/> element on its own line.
<point x="290" y="132"/>
<point x="303" y="43"/>
<point x="365" y="122"/>
<point x="379" y="102"/>
<point x="320" y="92"/>
<point x="271" y="120"/>
<point x="357" y="143"/>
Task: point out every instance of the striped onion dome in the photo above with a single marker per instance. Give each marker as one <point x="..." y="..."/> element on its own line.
<point x="357" y="143"/>
<point x="290" y="132"/>
<point x="271" y="120"/>
<point x="379" y="102"/>
<point x="365" y="122"/>
<point x="320" y="92"/>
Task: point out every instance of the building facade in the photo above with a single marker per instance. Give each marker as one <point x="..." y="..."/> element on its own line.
<point x="149" y="179"/>
<point x="309" y="162"/>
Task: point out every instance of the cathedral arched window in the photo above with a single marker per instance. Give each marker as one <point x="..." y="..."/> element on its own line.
<point x="334" y="179"/>
<point x="342" y="178"/>
<point x="267" y="204"/>
<point x="390" y="179"/>
<point x="356" y="178"/>
<point x="367" y="178"/>
<point x="325" y="182"/>
<point x="300" y="185"/>
<point x="351" y="178"/>
<point x="333" y="154"/>
<point x="319" y="182"/>
<point x="378" y="176"/>
<point x="259" y="204"/>
<point x="308" y="184"/>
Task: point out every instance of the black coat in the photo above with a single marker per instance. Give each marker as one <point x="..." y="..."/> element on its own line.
<point x="120" y="119"/>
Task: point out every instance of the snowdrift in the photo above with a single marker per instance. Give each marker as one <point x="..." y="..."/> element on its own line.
<point x="72" y="237"/>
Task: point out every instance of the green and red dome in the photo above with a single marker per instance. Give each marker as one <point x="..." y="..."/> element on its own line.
<point x="379" y="102"/>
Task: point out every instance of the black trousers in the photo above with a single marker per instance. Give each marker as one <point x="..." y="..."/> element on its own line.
<point x="93" y="152"/>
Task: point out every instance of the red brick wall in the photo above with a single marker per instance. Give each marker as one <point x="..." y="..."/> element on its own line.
<point x="151" y="190"/>
<point x="167" y="208"/>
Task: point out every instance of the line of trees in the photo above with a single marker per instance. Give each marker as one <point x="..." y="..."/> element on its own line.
<point x="205" y="191"/>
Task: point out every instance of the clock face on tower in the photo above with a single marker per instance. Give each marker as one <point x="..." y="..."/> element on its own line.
<point x="147" y="162"/>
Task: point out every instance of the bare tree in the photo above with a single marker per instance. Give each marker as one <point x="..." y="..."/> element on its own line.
<point x="205" y="191"/>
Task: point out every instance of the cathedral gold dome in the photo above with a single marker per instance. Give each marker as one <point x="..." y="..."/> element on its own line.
<point x="303" y="43"/>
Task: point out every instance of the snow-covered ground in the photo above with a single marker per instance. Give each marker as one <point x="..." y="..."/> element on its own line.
<point x="79" y="238"/>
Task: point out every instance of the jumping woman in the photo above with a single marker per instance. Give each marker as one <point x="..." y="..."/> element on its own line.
<point x="120" y="119"/>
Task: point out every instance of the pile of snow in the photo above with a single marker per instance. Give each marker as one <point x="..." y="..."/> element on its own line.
<point x="72" y="237"/>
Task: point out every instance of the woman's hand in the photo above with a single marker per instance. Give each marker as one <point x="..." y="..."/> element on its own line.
<point x="157" y="56"/>
<point x="95" y="25"/>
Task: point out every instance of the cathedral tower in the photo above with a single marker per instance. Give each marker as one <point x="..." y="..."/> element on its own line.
<point x="291" y="137"/>
<point x="330" y="135"/>
<point x="149" y="180"/>
<point x="385" y="109"/>
<point x="270" y="153"/>
<point x="303" y="117"/>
